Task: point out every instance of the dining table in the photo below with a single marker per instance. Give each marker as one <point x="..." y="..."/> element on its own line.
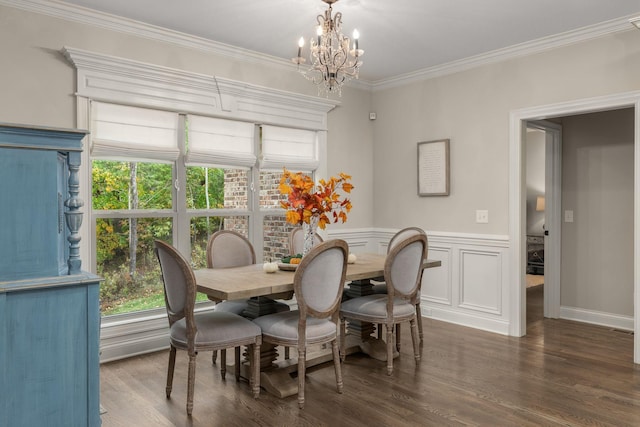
<point x="261" y="289"/>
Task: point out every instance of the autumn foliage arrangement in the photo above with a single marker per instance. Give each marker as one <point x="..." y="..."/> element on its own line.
<point x="306" y="199"/>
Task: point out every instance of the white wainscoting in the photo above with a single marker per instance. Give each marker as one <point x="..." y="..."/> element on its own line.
<point x="471" y="286"/>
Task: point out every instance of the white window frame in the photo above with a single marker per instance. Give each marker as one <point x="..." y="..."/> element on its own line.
<point x="123" y="81"/>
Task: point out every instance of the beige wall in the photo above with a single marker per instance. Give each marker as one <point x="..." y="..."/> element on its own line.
<point x="37" y="86"/>
<point x="472" y="109"/>
<point x="597" y="185"/>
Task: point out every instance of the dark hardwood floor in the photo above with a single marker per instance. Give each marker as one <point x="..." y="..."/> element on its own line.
<point x="562" y="373"/>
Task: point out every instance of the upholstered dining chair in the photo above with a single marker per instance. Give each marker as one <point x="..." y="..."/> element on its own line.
<point x="381" y="288"/>
<point x="402" y="274"/>
<point x="296" y="240"/>
<point x="225" y="249"/>
<point x="318" y="284"/>
<point x="204" y="331"/>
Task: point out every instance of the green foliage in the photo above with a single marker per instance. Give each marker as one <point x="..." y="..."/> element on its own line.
<point x="110" y="185"/>
<point x="121" y="291"/>
<point x="203" y="182"/>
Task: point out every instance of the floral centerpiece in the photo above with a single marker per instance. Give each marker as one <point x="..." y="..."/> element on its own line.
<point x="312" y="205"/>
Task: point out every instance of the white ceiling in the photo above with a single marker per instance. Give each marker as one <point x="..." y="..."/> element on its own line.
<point x="398" y="36"/>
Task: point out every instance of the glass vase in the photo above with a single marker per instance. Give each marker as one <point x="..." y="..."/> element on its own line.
<point x="309" y="234"/>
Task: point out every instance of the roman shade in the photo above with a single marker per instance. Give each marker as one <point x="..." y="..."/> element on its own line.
<point x="121" y="132"/>
<point x="291" y="148"/>
<point x="220" y="142"/>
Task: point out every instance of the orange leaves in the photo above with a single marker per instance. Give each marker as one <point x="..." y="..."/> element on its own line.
<point x="303" y="202"/>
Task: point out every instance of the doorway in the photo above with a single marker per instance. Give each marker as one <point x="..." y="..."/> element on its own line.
<point x="535" y="220"/>
<point x="543" y="157"/>
<point x="517" y="203"/>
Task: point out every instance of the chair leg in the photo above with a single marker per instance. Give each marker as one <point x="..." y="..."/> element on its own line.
<point x="416" y="339"/>
<point x="172" y="365"/>
<point x="398" y="338"/>
<point x="343" y="339"/>
<point x="390" y="345"/>
<point x="214" y="356"/>
<point x="223" y="363"/>
<point x="255" y="370"/>
<point x="191" y="383"/>
<point x="419" y="318"/>
<point x="286" y="353"/>
<point x="337" y="366"/>
<point x="302" y="354"/>
<point x="237" y="363"/>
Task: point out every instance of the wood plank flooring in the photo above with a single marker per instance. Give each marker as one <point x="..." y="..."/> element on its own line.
<point x="562" y="373"/>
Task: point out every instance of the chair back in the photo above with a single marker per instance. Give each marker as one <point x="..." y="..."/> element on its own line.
<point x="179" y="284"/>
<point x="403" y="234"/>
<point x="319" y="279"/>
<point x="403" y="266"/>
<point x="296" y="240"/>
<point x="227" y="248"/>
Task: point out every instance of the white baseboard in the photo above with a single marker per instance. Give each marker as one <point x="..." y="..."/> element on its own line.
<point x="470" y="320"/>
<point x="597" y="318"/>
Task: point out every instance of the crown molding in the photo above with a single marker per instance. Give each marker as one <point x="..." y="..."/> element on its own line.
<point x="62" y="10"/>
<point x="515" y="51"/>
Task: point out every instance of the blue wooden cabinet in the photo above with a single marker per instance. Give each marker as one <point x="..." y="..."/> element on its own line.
<point x="49" y="307"/>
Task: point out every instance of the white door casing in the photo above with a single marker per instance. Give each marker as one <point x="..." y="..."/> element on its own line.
<point x="517" y="197"/>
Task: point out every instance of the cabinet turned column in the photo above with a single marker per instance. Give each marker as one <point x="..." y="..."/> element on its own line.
<point x="73" y="214"/>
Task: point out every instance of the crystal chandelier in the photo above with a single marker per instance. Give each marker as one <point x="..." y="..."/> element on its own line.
<point x="333" y="61"/>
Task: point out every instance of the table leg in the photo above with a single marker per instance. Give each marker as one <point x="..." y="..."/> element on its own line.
<point x="363" y="331"/>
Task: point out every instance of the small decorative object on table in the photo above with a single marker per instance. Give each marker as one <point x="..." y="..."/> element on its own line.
<point x="270" y="267"/>
<point x="309" y="204"/>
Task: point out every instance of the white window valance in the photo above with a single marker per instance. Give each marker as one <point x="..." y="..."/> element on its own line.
<point x="121" y="132"/>
<point x="220" y="142"/>
<point x="291" y="148"/>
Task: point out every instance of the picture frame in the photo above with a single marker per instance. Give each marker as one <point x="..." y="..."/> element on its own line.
<point x="433" y="168"/>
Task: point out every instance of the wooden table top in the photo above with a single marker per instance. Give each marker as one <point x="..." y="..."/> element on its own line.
<point x="252" y="281"/>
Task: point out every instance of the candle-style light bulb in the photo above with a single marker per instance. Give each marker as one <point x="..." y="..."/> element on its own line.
<point x="319" y="33"/>
<point x="356" y="36"/>
<point x="300" y="45"/>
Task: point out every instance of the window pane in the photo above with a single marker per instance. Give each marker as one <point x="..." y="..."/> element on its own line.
<point x="269" y="194"/>
<point x="217" y="188"/>
<point x="132" y="278"/>
<point x="203" y="227"/>
<point x="276" y="237"/>
<point x="112" y="185"/>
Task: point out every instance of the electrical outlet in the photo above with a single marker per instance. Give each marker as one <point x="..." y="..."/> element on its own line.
<point x="482" y="216"/>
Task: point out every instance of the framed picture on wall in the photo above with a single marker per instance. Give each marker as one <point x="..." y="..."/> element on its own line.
<point x="433" y="168"/>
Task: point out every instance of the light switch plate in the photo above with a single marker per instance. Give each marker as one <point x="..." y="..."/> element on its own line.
<point x="482" y="216"/>
<point x="568" y="216"/>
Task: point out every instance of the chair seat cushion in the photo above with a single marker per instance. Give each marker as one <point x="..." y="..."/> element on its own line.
<point x="216" y="329"/>
<point x="284" y="326"/>
<point x="376" y="306"/>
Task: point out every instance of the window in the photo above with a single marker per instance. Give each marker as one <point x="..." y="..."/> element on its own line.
<point x="159" y="175"/>
<point x="133" y="155"/>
